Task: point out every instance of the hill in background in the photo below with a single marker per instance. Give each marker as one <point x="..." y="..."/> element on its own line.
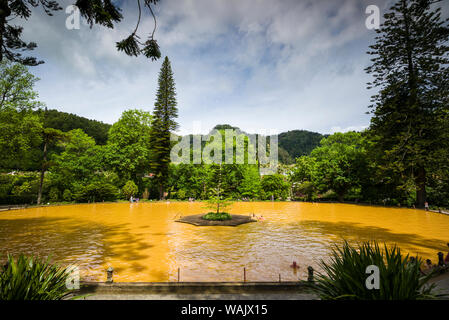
<point x="68" y="121"/>
<point x="292" y="144"/>
<point x="298" y="143"/>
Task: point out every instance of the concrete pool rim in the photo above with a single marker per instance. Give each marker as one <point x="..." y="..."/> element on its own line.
<point x="197" y="220"/>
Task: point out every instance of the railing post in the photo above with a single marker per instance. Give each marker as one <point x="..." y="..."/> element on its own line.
<point x="440" y="259"/>
<point x="179" y="273"/>
<point x="109" y="274"/>
<point x="310" y="274"/>
<point x="244" y="274"/>
<point x="279" y="277"/>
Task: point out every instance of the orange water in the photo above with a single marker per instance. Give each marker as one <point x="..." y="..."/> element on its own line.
<point x="143" y="243"/>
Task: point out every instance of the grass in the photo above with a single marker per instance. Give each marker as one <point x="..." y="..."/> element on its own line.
<point x="213" y="216"/>
<point x="344" y="277"/>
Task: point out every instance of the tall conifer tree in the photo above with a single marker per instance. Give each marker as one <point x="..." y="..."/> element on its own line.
<point x="165" y="113"/>
<point x="410" y="67"/>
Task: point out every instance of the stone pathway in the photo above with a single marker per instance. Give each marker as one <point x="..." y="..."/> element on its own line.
<point x="212" y="296"/>
<point x="442" y="283"/>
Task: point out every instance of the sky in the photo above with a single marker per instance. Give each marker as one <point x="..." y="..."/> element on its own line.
<point x="256" y="64"/>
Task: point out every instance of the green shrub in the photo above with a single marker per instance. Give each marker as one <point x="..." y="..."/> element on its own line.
<point x="213" y="216"/>
<point x="95" y="191"/>
<point x="329" y="195"/>
<point x="53" y="195"/>
<point x="29" y="278"/>
<point x="20" y="188"/>
<point x="145" y="194"/>
<point x="306" y="190"/>
<point x="181" y="194"/>
<point x="345" y="275"/>
<point x="274" y="185"/>
<point x="129" y="189"/>
<point x="67" y="195"/>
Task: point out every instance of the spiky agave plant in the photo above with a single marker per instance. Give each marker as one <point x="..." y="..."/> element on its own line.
<point x="32" y="278"/>
<point x="344" y="277"/>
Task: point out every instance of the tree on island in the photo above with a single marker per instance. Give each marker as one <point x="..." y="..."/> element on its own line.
<point x="100" y="12"/>
<point x="164" y="115"/>
<point x="216" y="201"/>
<point x="410" y="112"/>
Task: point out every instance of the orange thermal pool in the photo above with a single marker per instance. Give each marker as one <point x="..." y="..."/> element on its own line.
<point x="142" y="242"/>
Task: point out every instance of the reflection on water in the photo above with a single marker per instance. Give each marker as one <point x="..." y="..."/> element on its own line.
<point x="143" y="243"/>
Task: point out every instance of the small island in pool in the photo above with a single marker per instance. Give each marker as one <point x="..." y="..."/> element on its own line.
<point x="198" y="220"/>
<point x="217" y="217"/>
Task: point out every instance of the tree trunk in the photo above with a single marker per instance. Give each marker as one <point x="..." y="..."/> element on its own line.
<point x="4" y="13"/>
<point x="161" y="192"/>
<point x="341" y="197"/>
<point x="41" y="182"/>
<point x="421" y="187"/>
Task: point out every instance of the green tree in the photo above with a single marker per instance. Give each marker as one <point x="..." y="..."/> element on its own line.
<point x="216" y="200"/>
<point x="410" y="68"/>
<point x="17" y="87"/>
<point x="304" y="170"/>
<point x="101" y="12"/>
<point x="274" y="186"/>
<point x="340" y="161"/>
<point x="79" y="161"/>
<point x="19" y="126"/>
<point x="249" y="186"/>
<point x="163" y="123"/>
<point x="128" y="149"/>
<point x="193" y="179"/>
<point x="49" y="136"/>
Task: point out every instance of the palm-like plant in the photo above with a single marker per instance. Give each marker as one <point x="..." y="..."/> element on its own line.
<point x="30" y="278"/>
<point x="345" y="275"/>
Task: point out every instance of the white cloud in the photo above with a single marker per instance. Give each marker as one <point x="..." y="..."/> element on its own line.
<point x="254" y="64"/>
<point x="347" y="129"/>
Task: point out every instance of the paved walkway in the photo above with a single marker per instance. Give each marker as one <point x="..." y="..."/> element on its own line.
<point x="442" y="283"/>
<point x="213" y="296"/>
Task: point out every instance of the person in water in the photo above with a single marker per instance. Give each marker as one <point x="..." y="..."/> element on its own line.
<point x="261" y="218"/>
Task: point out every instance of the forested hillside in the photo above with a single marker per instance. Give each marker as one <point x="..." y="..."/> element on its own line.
<point x="68" y="121"/>
<point x="299" y="142"/>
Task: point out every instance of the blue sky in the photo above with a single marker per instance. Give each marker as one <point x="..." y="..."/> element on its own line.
<point x="255" y="64"/>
